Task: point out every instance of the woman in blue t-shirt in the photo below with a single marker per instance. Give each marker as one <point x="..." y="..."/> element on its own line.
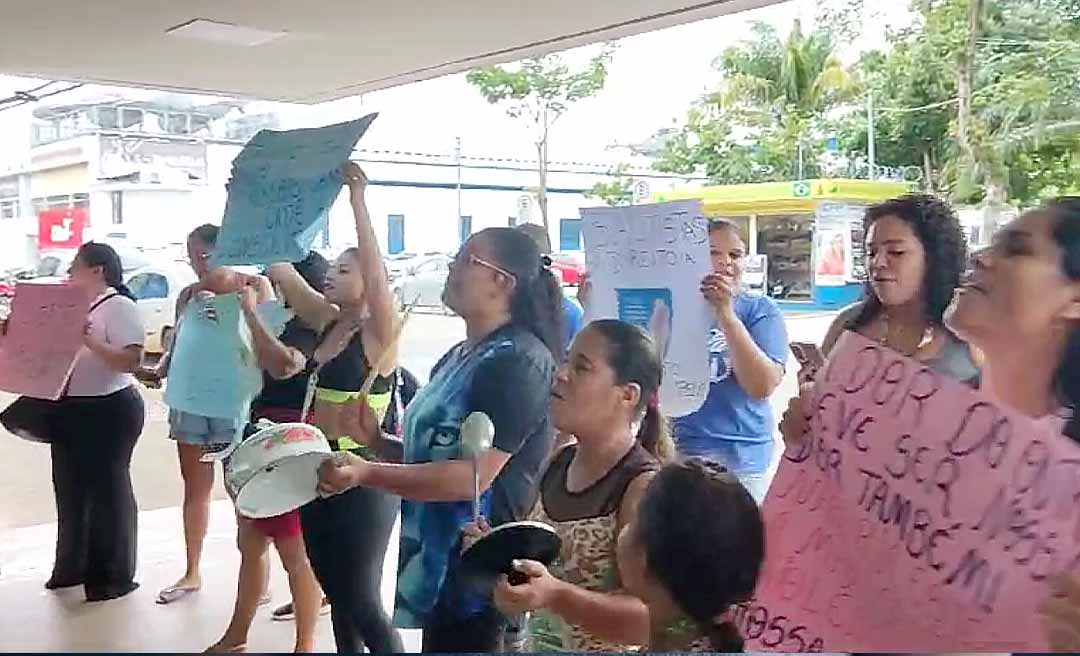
<point x="748" y="350"/>
<point x="511" y="306"/>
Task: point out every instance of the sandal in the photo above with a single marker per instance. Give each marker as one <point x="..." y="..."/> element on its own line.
<point x="174" y="593"/>
<point x="217" y="648"/>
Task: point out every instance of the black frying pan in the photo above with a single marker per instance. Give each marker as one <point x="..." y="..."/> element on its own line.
<point x="494" y="554"/>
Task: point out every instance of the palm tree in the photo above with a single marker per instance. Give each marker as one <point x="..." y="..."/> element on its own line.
<point x="798" y="78"/>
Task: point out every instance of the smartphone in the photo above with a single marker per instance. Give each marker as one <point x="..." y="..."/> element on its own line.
<point x="808" y="354"/>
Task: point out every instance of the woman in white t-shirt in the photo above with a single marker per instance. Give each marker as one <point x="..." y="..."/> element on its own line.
<point x="97" y="424"/>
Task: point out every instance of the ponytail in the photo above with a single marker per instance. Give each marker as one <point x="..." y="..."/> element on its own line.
<point x="124" y="291"/>
<point x="654" y="435"/>
<point x="536" y="303"/>
<point x="537" y="307"/>
<point x="724" y="636"/>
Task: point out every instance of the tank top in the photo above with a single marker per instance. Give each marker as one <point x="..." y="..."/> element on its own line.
<point x="588" y="525"/>
<point x="348" y="370"/>
<point x="955" y="361"/>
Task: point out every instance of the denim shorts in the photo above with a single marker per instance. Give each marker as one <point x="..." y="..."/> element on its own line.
<point x="205" y="432"/>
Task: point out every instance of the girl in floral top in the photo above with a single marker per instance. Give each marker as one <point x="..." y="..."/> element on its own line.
<point x="693" y="551"/>
<point x="605" y="397"/>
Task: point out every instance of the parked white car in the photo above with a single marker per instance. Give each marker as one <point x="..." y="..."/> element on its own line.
<point x="156" y="288"/>
<point x="422" y="281"/>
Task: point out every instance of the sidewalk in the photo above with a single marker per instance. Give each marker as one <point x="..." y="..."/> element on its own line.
<point x="34" y="620"/>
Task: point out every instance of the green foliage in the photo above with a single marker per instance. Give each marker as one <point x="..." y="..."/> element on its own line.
<point x="617" y="193"/>
<point x="772" y="104"/>
<point x="1024" y="128"/>
<point x="539" y="91"/>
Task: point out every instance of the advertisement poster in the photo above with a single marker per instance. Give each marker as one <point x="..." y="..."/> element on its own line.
<point x="646" y="264"/>
<point x="839" y="257"/>
<point x="61" y="228"/>
<point x="917" y="516"/>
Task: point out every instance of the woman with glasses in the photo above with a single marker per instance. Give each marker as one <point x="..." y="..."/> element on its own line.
<point x="511" y="305"/>
<point x="748" y="349"/>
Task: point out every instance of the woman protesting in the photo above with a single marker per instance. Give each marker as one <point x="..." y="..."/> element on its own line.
<point x="346" y="535"/>
<point x="511" y="305"/>
<point x="605" y="398"/>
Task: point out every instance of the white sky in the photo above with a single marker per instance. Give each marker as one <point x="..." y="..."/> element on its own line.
<point x="653" y="79"/>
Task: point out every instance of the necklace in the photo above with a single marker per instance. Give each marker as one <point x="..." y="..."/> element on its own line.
<point x="927" y="337"/>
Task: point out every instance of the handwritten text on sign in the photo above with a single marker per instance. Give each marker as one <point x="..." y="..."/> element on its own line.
<point x="213" y="372"/>
<point x="281" y="190"/>
<point x="646" y="264"/>
<point x="918" y="517"/>
<point x="44" y="334"/>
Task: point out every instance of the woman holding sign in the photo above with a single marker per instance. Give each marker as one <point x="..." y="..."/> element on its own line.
<point x="1021" y="307"/>
<point x="196" y="435"/>
<point x="346" y="535"/>
<point x="100" y="419"/>
<point x="915" y="253"/>
<point x="748" y="350"/>
<point x="511" y="304"/>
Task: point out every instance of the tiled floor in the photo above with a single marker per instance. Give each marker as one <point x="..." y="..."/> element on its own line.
<point x="33" y="620"/>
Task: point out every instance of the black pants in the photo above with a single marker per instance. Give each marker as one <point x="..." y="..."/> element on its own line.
<point x="97" y="517"/>
<point x="346" y="537"/>
<point x="479" y="634"/>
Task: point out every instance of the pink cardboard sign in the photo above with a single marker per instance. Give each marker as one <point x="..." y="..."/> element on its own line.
<point x="44" y="333"/>
<point x="918" y="517"/>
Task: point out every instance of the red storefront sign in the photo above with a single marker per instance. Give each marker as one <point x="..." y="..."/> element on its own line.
<point x="61" y="228"/>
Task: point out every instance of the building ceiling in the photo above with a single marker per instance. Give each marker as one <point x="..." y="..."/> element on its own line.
<point x="309" y="52"/>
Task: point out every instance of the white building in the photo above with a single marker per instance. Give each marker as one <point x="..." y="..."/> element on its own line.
<point x="148" y="173"/>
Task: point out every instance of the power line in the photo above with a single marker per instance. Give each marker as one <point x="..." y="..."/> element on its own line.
<point x="21" y="98"/>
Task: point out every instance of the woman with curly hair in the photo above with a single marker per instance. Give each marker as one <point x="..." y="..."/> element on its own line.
<point x="915" y="255"/>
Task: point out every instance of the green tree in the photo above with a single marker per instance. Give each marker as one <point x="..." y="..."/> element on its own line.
<point x="981" y="94"/>
<point x="770" y="115"/>
<point x="619" y="192"/>
<point x="540" y="91"/>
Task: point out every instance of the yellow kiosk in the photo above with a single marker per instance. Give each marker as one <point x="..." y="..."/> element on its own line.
<point x="807" y="235"/>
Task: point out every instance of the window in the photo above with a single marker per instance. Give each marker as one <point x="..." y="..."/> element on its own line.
<point x="9" y="208"/>
<point x="145" y="286"/>
<point x="395" y="234"/>
<point x="570" y="235"/>
<point x="464" y="228"/>
<point x="117" y="207"/>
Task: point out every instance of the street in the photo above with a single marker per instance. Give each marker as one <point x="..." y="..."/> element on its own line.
<point x="26" y="484"/>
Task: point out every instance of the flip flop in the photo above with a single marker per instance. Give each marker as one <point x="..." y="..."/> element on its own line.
<point x="174" y="593"/>
<point x="216" y="648"/>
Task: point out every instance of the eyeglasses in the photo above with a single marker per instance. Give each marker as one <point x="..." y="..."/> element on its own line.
<point x="481" y="262"/>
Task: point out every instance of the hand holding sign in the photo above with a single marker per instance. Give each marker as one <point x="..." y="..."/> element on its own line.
<point x="917" y="516"/>
<point x="45" y="331"/>
<point x="355" y="179"/>
<point x="720" y="292"/>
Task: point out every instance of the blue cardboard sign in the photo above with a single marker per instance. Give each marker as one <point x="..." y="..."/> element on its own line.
<point x="282" y="187"/>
